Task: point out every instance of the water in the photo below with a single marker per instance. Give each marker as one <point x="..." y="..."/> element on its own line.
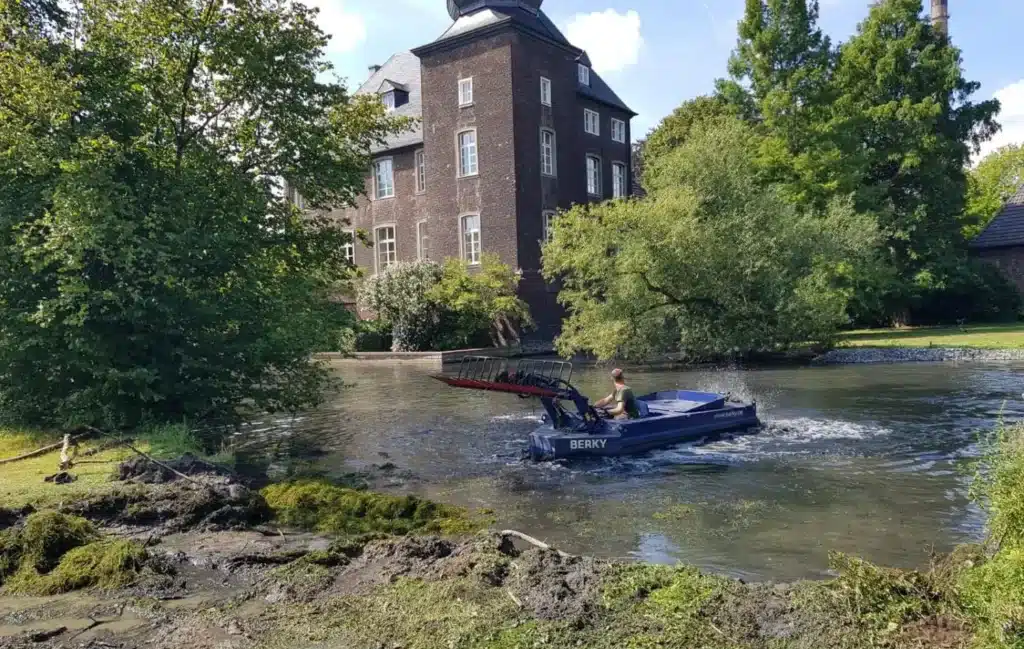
<point x="869" y="460"/>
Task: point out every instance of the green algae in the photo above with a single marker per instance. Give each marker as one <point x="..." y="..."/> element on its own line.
<point x="56" y="553"/>
<point x="323" y="507"/>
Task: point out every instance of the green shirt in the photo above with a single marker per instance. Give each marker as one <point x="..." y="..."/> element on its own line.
<point x="624" y="395"/>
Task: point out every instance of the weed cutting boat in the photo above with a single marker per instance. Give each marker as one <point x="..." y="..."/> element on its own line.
<point x="666" y="418"/>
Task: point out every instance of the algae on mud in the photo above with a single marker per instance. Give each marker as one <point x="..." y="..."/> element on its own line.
<point x="323" y="507"/>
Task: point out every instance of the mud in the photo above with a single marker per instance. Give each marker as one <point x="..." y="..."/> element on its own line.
<point x="139" y="469"/>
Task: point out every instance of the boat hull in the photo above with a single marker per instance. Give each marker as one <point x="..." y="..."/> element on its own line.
<point x="616" y="438"/>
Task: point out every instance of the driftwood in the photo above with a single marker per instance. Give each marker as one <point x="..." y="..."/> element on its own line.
<point x="48" y="449"/>
<point x="532" y="541"/>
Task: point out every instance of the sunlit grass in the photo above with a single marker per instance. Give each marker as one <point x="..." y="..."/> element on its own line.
<point x="22" y="482"/>
<point x="1009" y="336"/>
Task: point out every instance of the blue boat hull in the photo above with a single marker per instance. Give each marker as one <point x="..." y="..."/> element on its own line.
<point x="660" y="429"/>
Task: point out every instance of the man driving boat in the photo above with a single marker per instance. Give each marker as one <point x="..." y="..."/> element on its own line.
<point x="623" y="398"/>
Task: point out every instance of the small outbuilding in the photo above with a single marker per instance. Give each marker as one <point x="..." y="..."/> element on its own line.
<point x="1002" y="241"/>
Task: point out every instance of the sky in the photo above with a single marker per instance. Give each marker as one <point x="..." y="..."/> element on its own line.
<point x="656" y="54"/>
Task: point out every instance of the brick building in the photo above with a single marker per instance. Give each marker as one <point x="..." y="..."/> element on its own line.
<point x="1002" y="241"/>
<point x="514" y="125"/>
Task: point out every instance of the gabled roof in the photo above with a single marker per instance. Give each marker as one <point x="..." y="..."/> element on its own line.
<point x="1007" y="228"/>
<point x="402" y="72"/>
<point x="388" y="85"/>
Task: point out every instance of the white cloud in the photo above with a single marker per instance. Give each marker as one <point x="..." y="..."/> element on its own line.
<point x="1011" y="117"/>
<point x="612" y="40"/>
<point x="346" y="28"/>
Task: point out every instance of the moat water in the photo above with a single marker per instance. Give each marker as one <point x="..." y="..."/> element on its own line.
<point x="872" y="460"/>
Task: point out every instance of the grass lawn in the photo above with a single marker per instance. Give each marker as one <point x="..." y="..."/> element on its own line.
<point x="1008" y="336"/>
<point x="21" y="483"/>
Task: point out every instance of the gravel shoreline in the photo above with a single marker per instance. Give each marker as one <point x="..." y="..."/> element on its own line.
<point x="865" y="355"/>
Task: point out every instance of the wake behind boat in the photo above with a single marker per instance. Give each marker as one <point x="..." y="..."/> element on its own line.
<point x="665" y="418"/>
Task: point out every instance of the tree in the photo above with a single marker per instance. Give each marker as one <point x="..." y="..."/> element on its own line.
<point x="482" y="302"/>
<point x="904" y="126"/>
<point x="989" y="185"/>
<point x="711" y="262"/>
<point x="150" y="268"/>
<point x="675" y="130"/>
<point x="780" y="80"/>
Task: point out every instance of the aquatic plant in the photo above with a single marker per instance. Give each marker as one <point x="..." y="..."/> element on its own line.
<point x="322" y="506"/>
<point x="56" y="553"/>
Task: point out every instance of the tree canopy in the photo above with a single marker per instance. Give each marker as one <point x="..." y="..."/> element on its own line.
<point x="711" y="262"/>
<point x="151" y="267"/>
<point x="989" y="185"/>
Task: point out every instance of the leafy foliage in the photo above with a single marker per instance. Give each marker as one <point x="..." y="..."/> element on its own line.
<point x="482" y="301"/>
<point x="712" y="262"/>
<point x="431" y="306"/>
<point x="150" y="268"/>
<point x="989" y="185"/>
<point x="886" y="117"/>
<point x="399" y="297"/>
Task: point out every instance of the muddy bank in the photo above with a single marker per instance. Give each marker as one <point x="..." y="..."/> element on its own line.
<point x="213" y="564"/>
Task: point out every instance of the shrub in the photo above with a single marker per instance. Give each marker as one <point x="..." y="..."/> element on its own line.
<point x="425" y="306"/>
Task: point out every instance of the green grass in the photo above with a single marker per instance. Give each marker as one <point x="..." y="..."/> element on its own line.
<point x="22" y="483"/>
<point x="1008" y="336"/>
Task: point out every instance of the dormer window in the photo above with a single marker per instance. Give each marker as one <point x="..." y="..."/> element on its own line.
<point x="584" y="75"/>
<point x="388" y="100"/>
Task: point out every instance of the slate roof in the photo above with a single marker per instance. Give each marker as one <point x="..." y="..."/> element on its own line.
<point x="401" y="71"/>
<point x="1007" y="228"/>
<point x="538" y="23"/>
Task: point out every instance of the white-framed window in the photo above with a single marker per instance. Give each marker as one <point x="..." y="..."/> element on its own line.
<point x="422" y="241"/>
<point x="470" y="226"/>
<point x="593" y="175"/>
<point x="591" y="121"/>
<point x="549" y="222"/>
<point x="388" y="100"/>
<point x="467" y="153"/>
<point x="297" y="199"/>
<point x="465" y="91"/>
<point x="584" y="75"/>
<point x="548" y="152"/>
<point x="384" y="178"/>
<point x="421" y="171"/>
<point x="387" y="248"/>
<point x="618" y="130"/>
<point x="545" y="91"/>
<point x="349" y="249"/>
<point x="619" y="183"/>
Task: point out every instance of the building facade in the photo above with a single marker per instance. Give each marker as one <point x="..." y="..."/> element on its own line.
<point x="513" y="125"/>
<point x="1001" y="243"/>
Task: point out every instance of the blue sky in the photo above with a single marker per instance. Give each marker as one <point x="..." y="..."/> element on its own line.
<point x="658" y="53"/>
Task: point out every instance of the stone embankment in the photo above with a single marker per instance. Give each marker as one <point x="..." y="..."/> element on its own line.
<point x="865" y="355"/>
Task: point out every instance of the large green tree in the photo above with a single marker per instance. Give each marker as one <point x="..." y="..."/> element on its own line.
<point x="780" y="76"/>
<point x="989" y="185"/>
<point x="150" y="266"/>
<point x="712" y="261"/>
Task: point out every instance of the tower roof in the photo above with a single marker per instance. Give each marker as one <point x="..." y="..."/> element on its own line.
<point x="457" y="8"/>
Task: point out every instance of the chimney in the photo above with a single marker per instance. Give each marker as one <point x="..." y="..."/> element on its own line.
<point x="376" y="68"/>
<point x="940" y="15"/>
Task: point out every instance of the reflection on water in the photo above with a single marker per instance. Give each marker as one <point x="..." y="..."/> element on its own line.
<point x="859" y="459"/>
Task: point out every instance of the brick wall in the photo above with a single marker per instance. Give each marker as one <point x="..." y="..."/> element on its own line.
<point x="1009" y="260"/>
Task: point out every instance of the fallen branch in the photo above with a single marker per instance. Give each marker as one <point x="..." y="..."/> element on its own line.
<point x="532" y="541"/>
<point x="46" y="449"/>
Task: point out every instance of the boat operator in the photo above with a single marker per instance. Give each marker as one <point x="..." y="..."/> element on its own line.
<point x="622" y="397"/>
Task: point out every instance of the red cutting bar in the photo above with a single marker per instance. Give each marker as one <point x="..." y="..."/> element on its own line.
<point x="526" y="390"/>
